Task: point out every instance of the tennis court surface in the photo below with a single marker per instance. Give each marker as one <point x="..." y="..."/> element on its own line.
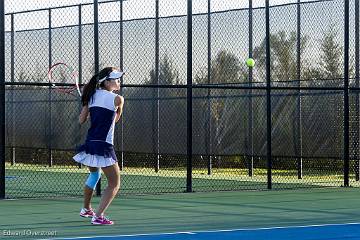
<point x="332" y="213"/>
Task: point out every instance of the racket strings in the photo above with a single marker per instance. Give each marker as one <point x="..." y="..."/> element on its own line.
<point x="61" y="72"/>
<point x="68" y="89"/>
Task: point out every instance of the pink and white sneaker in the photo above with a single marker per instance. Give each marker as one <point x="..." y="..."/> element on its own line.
<point x="101" y="221"/>
<point x="87" y="213"/>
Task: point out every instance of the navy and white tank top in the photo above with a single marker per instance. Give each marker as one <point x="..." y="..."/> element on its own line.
<point x="102" y="114"/>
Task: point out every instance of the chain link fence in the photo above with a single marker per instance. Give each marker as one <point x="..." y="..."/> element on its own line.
<point x="230" y="111"/>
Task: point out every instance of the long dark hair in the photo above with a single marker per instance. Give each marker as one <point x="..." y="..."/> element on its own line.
<point x="92" y="85"/>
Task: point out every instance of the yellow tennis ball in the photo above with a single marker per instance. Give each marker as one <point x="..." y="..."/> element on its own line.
<point x="250" y="62"/>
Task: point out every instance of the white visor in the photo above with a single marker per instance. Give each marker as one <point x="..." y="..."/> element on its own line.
<point x="113" y="75"/>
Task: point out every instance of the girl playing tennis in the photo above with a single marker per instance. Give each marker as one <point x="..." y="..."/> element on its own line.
<point x="104" y="108"/>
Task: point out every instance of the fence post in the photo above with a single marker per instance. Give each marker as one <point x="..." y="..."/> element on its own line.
<point x="2" y="100"/>
<point x="298" y="135"/>
<point x="50" y="160"/>
<point x="208" y="139"/>
<point x="96" y="61"/>
<point x="357" y="104"/>
<point x="268" y="97"/>
<point x="80" y="43"/>
<point x="346" y="94"/>
<point x="122" y="80"/>
<point x="156" y="108"/>
<point x="80" y="60"/>
<point x="96" y="36"/>
<point x="12" y="104"/>
<point x="189" y="97"/>
<point x="250" y="142"/>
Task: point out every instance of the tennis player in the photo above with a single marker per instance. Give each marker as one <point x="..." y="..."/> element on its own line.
<point x="104" y="108"/>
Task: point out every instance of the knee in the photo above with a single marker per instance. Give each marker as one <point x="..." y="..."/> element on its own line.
<point x="114" y="184"/>
<point x="116" y="189"/>
<point x="93" y="179"/>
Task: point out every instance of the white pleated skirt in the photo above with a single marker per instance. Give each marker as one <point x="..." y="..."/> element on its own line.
<point x="91" y="160"/>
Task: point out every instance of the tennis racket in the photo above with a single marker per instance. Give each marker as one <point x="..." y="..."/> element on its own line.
<point x="64" y="79"/>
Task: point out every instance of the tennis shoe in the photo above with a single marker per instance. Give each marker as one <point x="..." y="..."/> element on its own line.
<point x="87" y="213"/>
<point x="101" y="221"/>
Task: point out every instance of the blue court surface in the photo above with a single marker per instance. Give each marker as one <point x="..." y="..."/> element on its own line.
<point x="314" y="232"/>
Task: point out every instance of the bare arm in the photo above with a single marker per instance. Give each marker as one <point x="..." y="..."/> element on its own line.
<point x="119" y="103"/>
<point x="84" y="114"/>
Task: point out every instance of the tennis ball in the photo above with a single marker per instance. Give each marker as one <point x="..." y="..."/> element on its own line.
<point x="250" y="62"/>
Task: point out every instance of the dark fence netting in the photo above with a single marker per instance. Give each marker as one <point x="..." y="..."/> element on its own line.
<point x="302" y="91"/>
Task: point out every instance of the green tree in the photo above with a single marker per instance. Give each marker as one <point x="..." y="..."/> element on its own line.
<point x="283" y="56"/>
<point x="22" y="76"/>
<point x="283" y="60"/>
<point x="327" y="110"/>
<point x="225" y="68"/>
<point x="168" y="75"/>
<point x="39" y="75"/>
<point x="331" y="54"/>
<point x="165" y="109"/>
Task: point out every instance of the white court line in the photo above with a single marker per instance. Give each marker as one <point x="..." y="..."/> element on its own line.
<point x="210" y="231"/>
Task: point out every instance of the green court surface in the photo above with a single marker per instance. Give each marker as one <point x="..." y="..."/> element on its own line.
<point x="181" y="212"/>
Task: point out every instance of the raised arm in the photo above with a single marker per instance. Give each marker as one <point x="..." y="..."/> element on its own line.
<point x="119" y="103"/>
<point x="84" y="114"/>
